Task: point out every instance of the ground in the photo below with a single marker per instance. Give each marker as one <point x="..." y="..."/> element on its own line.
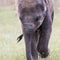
<point x="10" y="29"/>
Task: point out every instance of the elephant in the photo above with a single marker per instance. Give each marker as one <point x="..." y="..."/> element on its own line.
<point x="36" y="17"/>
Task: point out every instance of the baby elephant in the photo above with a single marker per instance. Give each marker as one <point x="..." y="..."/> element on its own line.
<point x="36" y="17"/>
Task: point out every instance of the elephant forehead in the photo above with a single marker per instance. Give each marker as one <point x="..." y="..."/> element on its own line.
<point x="28" y="3"/>
<point x="32" y="11"/>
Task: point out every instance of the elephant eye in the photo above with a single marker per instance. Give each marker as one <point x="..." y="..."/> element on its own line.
<point x="37" y="18"/>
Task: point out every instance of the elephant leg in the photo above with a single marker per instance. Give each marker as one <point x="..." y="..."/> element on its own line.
<point x="28" y="47"/>
<point x="34" y="47"/>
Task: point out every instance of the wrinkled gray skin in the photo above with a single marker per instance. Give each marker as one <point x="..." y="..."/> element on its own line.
<point x="36" y="17"/>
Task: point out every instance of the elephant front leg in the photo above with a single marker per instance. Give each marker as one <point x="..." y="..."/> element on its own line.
<point x="34" y="47"/>
<point x="28" y="47"/>
<point x="31" y="46"/>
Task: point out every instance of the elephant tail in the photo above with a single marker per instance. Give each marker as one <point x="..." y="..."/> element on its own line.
<point x="19" y="38"/>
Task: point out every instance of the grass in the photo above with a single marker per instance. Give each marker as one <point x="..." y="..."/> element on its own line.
<point x="10" y="29"/>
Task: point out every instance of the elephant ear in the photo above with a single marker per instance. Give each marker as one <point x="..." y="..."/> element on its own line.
<point x="19" y="38"/>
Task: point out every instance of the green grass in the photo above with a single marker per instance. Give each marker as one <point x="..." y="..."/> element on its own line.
<point x="10" y="29"/>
